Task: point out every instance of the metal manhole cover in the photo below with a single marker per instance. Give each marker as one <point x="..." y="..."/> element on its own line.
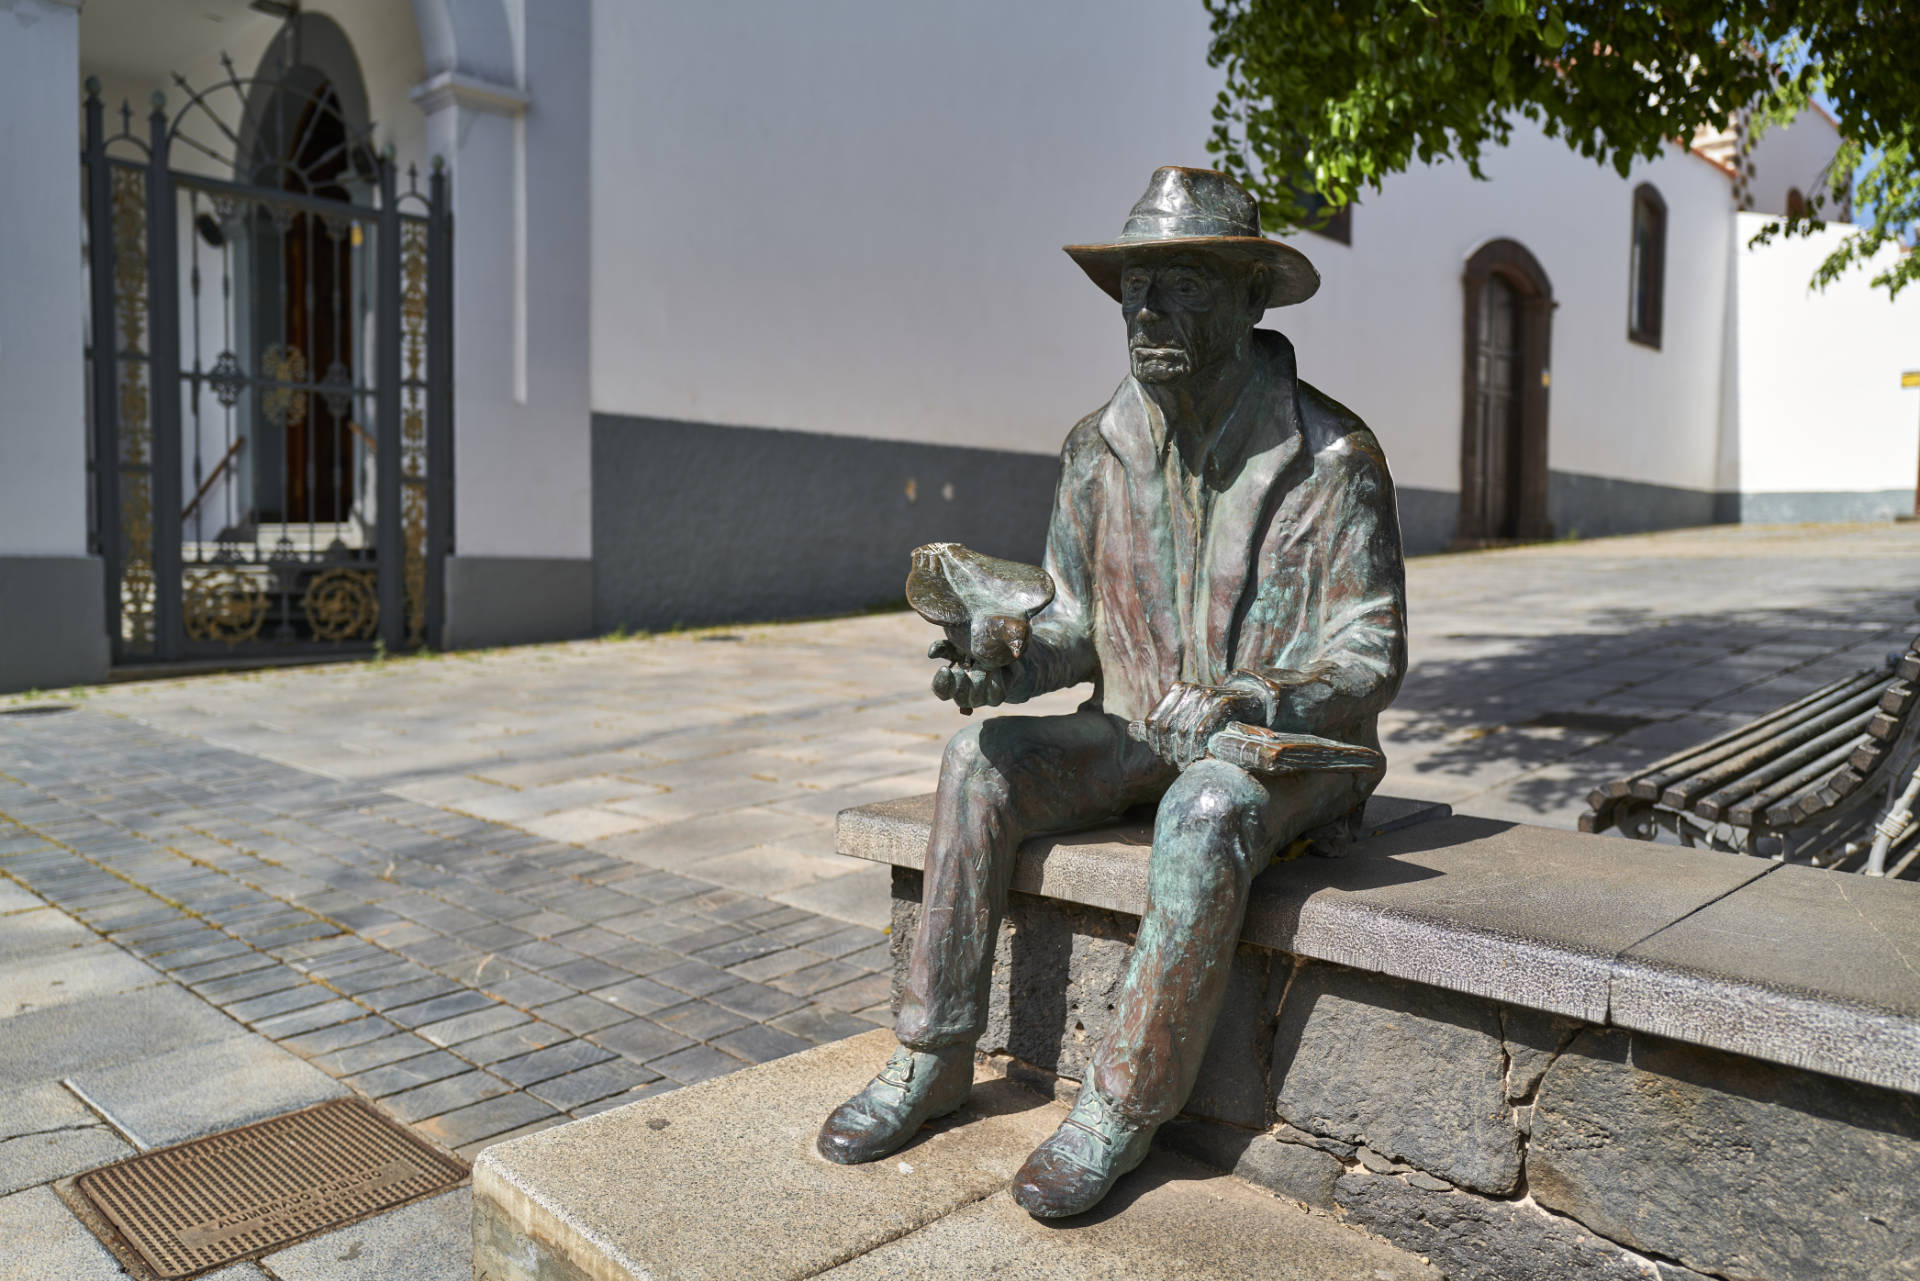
<point x="230" y="1196"/>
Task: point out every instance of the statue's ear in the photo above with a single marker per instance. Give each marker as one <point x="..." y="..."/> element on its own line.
<point x="1259" y="285"/>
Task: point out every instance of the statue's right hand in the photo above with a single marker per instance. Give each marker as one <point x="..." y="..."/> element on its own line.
<point x="963" y="682"/>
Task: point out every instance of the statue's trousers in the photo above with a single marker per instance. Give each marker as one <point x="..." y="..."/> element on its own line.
<point x="1217" y="827"/>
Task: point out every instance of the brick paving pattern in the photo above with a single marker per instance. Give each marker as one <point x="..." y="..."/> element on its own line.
<point x="475" y="979"/>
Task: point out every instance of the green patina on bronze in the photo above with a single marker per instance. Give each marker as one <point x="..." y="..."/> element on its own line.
<point x="1224" y="560"/>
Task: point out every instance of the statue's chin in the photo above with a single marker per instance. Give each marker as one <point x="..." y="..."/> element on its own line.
<point x="1160" y="364"/>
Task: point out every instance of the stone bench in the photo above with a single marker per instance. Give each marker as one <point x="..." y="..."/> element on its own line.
<point x="1520" y="1051"/>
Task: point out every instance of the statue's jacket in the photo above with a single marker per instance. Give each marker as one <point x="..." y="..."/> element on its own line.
<point x="1276" y="567"/>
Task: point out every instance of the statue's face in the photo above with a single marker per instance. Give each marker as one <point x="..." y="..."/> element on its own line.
<point x="1185" y="315"/>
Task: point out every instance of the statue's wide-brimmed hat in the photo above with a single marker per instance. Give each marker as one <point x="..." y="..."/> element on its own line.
<point x="1198" y="210"/>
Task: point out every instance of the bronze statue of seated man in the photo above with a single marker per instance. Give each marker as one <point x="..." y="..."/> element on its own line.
<point x="1223" y="548"/>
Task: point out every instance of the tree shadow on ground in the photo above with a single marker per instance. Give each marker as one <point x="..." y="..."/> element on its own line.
<point x="1547" y="718"/>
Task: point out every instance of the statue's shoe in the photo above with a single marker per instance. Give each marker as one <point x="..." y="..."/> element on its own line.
<point x="915" y="1087"/>
<point x="1073" y="1170"/>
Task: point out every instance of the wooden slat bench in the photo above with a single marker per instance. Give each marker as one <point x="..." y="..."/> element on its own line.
<point x="1805" y="780"/>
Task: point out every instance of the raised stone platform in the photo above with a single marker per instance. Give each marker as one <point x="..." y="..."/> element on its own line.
<point x="1522" y="1052"/>
<point x="720" y="1181"/>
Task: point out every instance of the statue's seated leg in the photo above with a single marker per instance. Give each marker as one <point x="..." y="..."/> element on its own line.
<point x="1001" y="781"/>
<point x="1218" y="826"/>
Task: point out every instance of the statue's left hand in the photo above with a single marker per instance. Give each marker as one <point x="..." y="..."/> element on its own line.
<point x="1190" y="715"/>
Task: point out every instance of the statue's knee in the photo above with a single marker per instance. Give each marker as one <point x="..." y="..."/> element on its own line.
<point x="1209" y="796"/>
<point x="964" y="759"/>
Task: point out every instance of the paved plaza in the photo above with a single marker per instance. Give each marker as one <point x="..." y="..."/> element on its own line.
<point x="496" y="891"/>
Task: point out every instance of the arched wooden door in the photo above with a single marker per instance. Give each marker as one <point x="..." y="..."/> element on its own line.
<point x="1503" y="429"/>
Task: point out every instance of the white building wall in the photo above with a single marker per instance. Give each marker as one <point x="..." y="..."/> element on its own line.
<point x="846" y="217"/>
<point x="794" y="228"/>
<point x="1384" y="334"/>
<point x="1792" y="155"/>
<point x="1821" y="408"/>
<point x="43" y="451"/>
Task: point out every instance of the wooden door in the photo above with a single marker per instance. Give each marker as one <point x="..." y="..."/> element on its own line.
<point x="1496" y="413"/>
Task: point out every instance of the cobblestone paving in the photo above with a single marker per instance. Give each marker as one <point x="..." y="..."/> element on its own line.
<point x="475" y="979"/>
<point x="500" y="889"/>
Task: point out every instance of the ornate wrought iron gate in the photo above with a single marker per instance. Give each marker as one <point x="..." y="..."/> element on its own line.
<point x="269" y="374"/>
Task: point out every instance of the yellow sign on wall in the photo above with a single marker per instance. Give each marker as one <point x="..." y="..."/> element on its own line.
<point x="1911" y="378"/>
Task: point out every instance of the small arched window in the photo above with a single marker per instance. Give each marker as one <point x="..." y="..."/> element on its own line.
<point x="1647" y="266"/>
<point x="1796" y="203"/>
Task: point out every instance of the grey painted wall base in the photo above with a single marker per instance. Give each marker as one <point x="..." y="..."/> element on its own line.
<point x="517" y="600"/>
<point x="53" y="628"/>
<point x="1821" y="508"/>
<point x="695" y="524"/>
<point x="1600" y="507"/>
<point x="1427" y="519"/>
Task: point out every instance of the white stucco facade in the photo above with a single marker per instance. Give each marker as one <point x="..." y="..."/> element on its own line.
<point x="1819" y="399"/>
<point x="43" y="460"/>
<point x="842" y="222"/>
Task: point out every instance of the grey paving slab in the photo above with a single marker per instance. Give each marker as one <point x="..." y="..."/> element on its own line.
<point x="428" y="1240"/>
<point x="40" y="932"/>
<point x="1169" y="1219"/>
<point x="583" y="1014"/>
<point x="427" y="1101"/>
<point x="44" y="1242"/>
<point x="1802" y="966"/>
<point x="199" y="1089"/>
<point x="639" y="1039"/>
<point x="47" y="1133"/>
<point x="696" y="1063"/>
<point x="421" y="1069"/>
<point x="587" y="1084"/>
<point x="372" y="1054"/>
<point x="33" y="982"/>
<point x="490" y="1118"/>
<point x="555" y="1060"/>
<point x="106" y="1031"/>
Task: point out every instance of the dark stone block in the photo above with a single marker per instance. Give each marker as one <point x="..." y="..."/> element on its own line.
<point x="1726" y="1164"/>
<point x="1289" y="1169"/>
<point x="1057" y="974"/>
<point x="1533" y="1040"/>
<point x="1415" y="1073"/>
<point x="1471" y="1239"/>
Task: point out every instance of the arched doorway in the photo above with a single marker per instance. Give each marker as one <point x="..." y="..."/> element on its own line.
<point x="306" y="132"/>
<point x="1503" y="428"/>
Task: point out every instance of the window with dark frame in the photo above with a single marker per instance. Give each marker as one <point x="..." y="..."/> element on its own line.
<point x="1339" y="226"/>
<point x="1647" y="266"/>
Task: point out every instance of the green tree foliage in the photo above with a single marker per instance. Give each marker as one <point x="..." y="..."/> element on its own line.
<point x="1332" y="97"/>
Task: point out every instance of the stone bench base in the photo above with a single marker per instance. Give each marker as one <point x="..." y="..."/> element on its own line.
<point x="720" y="1181"/>
<point x="1427" y="1038"/>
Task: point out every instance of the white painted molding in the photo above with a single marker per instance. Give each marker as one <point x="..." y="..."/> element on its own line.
<point x="451" y="88"/>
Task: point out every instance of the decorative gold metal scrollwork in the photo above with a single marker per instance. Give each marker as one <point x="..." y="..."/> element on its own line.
<point x="224" y="604"/>
<point x="135" y="427"/>
<point x="284" y="406"/>
<point x="413" y="430"/>
<point x="342" y="604"/>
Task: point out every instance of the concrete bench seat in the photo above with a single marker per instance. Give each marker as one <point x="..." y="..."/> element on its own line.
<point x="1521" y="1052"/>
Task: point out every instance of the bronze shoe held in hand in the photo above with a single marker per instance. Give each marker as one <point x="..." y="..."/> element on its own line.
<point x="982" y="602"/>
